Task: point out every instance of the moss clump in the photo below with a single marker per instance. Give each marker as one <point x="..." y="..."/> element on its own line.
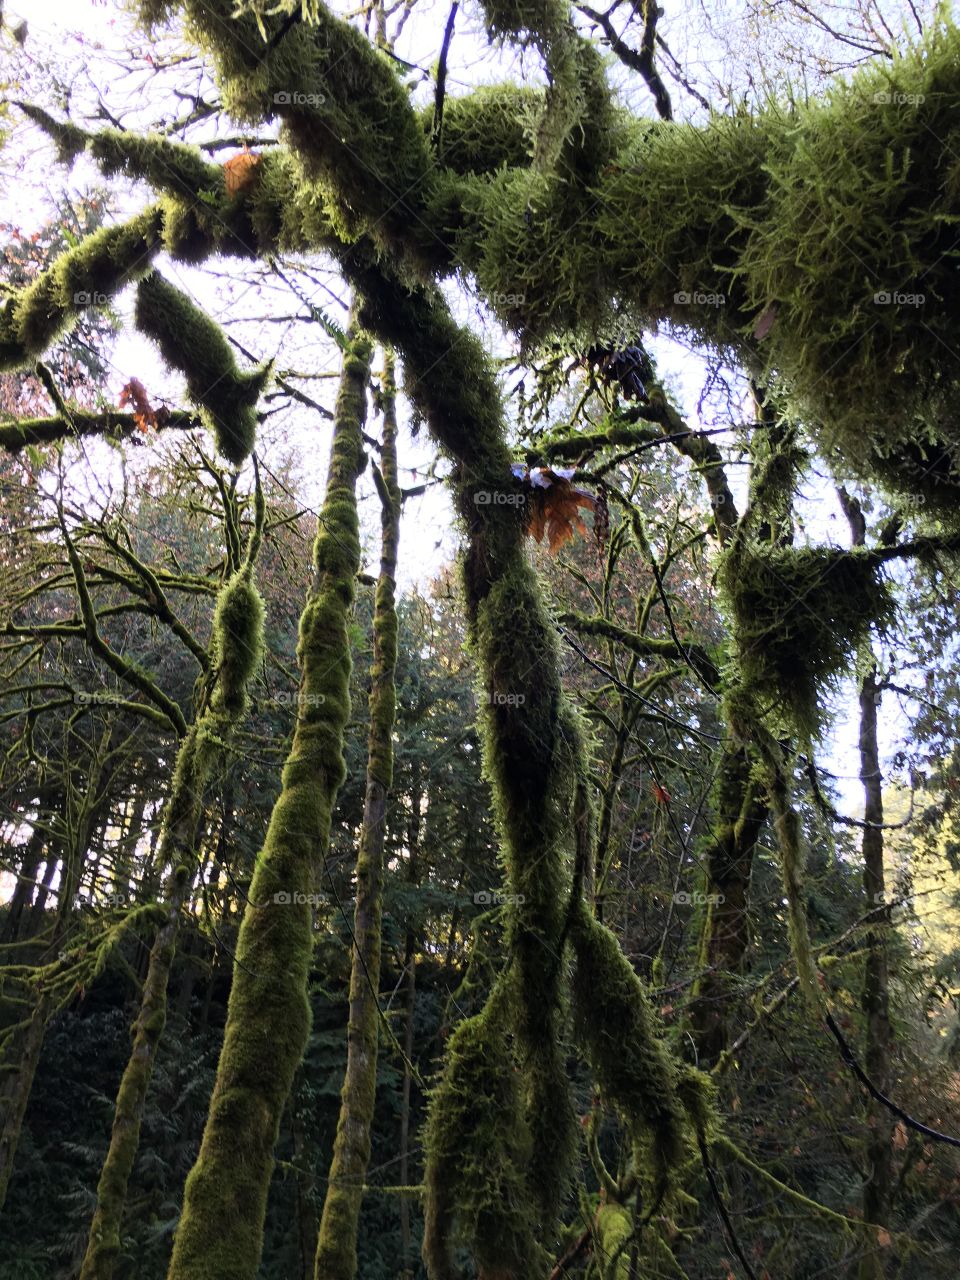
<point x="87" y="275"/>
<point x="488" y="129"/>
<point x="799" y="614"/>
<point x="478" y="1146"/>
<point x="632" y="1065"/>
<point x="191" y="342"/>
<point x="237" y="640"/>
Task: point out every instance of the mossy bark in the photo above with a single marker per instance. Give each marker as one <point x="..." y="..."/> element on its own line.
<point x="238" y="623"/>
<point x="336" y="1257"/>
<point x="740" y="811"/>
<point x="220" y="1235"/>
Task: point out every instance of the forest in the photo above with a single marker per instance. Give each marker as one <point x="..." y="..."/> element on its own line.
<point x="479" y="640"/>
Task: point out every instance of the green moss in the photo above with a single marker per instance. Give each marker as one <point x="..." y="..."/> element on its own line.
<point x="478" y="1146"/>
<point x="220" y="1235"/>
<point x="87" y="275"/>
<point x="238" y="640"/>
<point x="191" y="342"/>
<point x="633" y="1067"/>
<point x="488" y="129"/>
<point x="236" y="651"/>
<point x="799" y="614"/>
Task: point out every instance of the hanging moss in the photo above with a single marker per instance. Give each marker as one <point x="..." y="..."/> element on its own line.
<point x="191" y="342"/>
<point x="87" y="275"/>
<point x="799" y="614"/>
<point x="238" y="641"/>
<point x="478" y="1146"/>
<point x="634" y="1069"/>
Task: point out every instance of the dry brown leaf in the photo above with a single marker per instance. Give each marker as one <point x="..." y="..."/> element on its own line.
<point x="240" y="171"/>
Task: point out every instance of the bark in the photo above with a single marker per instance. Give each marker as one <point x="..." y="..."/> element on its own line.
<point x="340" y="1221"/>
<point x="876" y="996"/>
<point x="740" y="814"/>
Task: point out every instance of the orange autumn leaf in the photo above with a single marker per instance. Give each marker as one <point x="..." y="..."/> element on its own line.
<point x="145" y="416"/>
<point x="555" y="511"/>
<point x="884" y="1238"/>
<point x="240" y="171"/>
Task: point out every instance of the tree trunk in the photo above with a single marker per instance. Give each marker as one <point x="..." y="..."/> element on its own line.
<point x="220" y="1235"/>
<point x="875" y="999"/>
<point x="237" y="622"/>
<point x="739" y="815"/>
<point x="340" y="1220"/>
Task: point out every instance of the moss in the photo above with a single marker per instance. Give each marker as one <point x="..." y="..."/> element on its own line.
<point x="632" y="1065"/>
<point x="478" y="1145"/>
<point x="87" y="275"/>
<point x="238" y="640"/>
<point x="336" y="1257"/>
<point x="236" y="651"/>
<point x="488" y="129"/>
<point x="192" y="343"/>
<point x="220" y="1235"/>
<point x="330" y="87"/>
<point x="798" y="615"/>
<point x="614" y="1230"/>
